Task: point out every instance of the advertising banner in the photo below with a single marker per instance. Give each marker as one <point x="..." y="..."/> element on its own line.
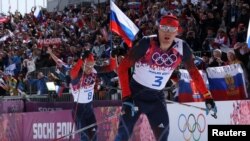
<point x="48" y="125"/>
<point x="55" y="124"/>
<point x="11" y="106"/>
<point x="46" y="42"/>
<point x="191" y="124"/>
<point x="56" y="106"/>
<point x="186" y="123"/>
<point x="48" y="106"/>
<point x="11" y="127"/>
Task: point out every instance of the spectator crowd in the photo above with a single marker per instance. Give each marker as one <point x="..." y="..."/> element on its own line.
<point x="216" y="31"/>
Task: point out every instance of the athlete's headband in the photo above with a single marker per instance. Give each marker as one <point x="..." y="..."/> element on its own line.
<point x="169" y="20"/>
<point x="90" y="58"/>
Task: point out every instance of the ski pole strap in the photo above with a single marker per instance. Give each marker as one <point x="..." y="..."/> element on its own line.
<point x="132" y="107"/>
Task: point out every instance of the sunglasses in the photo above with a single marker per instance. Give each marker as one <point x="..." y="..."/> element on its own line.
<point x="89" y="66"/>
<point x="168" y="28"/>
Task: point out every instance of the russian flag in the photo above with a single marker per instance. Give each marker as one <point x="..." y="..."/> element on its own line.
<point x="122" y="25"/>
<point x="227" y="82"/>
<point x="248" y="35"/>
<point x="187" y="89"/>
<point x="38" y="13"/>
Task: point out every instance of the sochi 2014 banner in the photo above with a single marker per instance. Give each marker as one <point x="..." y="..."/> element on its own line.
<point x="187" y="89"/>
<point x="48" y="125"/>
<point x="227" y="82"/>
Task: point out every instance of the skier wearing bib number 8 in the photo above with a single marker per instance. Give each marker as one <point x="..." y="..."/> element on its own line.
<point x="83" y="78"/>
<point x="154" y="59"/>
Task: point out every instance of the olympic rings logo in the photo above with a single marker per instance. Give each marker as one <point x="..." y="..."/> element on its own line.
<point x="164" y="58"/>
<point x="89" y="80"/>
<point x="191" y="126"/>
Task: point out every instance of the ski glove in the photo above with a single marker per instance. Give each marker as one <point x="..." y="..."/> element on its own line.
<point x="210" y="105"/>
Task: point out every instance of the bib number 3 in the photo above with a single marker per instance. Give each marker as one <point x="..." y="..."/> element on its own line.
<point x="158" y="81"/>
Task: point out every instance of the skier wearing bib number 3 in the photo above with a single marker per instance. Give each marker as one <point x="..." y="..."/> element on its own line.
<point x="154" y="59"/>
<point x="83" y="78"/>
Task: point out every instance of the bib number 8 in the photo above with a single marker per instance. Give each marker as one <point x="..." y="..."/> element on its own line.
<point x="89" y="95"/>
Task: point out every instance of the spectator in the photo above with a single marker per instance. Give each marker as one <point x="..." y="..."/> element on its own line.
<point x="215" y="60"/>
<point x="21" y="84"/>
<point x="241" y="33"/>
<point x="11" y="84"/>
<point x="193" y="41"/>
<point x="243" y="53"/>
<point x="244" y="14"/>
<point x="233" y="36"/>
<point x="207" y="44"/>
<point x="40" y="83"/>
<point x="232" y="59"/>
<point x="29" y="63"/>
<point x="221" y="41"/>
<point x="232" y="14"/>
<point x="3" y="87"/>
<point x="205" y="61"/>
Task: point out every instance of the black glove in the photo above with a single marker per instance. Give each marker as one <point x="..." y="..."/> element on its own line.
<point x="128" y="106"/>
<point x="115" y="52"/>
<point x="85" y="54"/>
<point x="210" y="105"/>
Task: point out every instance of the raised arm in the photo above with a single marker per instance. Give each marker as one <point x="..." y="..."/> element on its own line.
<point x="134" y="54"/>
<point x="55" y="58"/>
<point x="75" y="69"/>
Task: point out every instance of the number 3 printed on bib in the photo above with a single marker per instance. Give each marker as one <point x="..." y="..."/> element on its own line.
<point x="158" y="81"/>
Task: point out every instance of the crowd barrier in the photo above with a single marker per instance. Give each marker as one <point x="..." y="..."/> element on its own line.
<point x="55" y="124"/>
<point x="15" y="104"/>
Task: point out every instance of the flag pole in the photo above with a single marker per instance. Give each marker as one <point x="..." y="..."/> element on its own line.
<point x="111" y="38"/>
<point x="111" y="44"/>
<point x="248" y="35"/>
<point x="110" y="25"/>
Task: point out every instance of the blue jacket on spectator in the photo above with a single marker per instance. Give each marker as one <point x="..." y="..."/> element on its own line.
<point x="40" y="85"/>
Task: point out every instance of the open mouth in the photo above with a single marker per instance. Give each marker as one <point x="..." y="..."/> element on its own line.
<point x="166" y="38"/>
